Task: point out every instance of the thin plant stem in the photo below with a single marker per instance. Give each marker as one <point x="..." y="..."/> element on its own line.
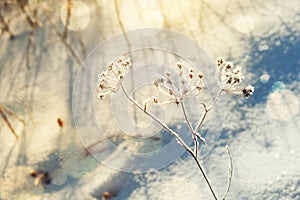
<point x="216" y="99"/>
<point x="67" y="22"/>
<point x="201" y="120"/>
<point x="31" y="39"/>
<point x="63" y="40"/>
<point x="186" y="118"/>
<point x="121" y="24"/>
<point x="30" y="21"/>
<point x="5" y="27"/>
<point x="11" y="113"/>
<point x="207" y="109"/>
<point x="205" y="176"/>
<point x="187" y="148"/>
<point x="230" y="171"/>
<point x="178" y="138"/>
<point x="190" y="127"/>
<point x="8" y="123"/>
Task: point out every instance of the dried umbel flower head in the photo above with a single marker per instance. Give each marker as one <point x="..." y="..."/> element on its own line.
<point x="248" y="91"/>
<point x="109" y="80"/>
<point x="231" y="77"/>
<point x="190" y="84"/>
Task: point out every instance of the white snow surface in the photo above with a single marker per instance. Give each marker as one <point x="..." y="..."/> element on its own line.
<point x="265" y="149"/>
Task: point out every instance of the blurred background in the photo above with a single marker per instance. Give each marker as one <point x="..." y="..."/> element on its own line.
<point x="42" y="46"/>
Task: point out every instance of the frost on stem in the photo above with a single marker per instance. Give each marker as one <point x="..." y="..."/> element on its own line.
<point x="231" y="77"/>
<point x="189" y="85"/>
<point x="109" y="80"/>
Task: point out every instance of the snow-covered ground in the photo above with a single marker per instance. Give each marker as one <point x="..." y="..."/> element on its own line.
<point x="263" y="131"/>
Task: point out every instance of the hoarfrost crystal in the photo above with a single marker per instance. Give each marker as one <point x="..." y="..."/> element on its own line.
<point x="109" y="80"/>
<point x="189" y="84"/>
<point x="231" y="77"/>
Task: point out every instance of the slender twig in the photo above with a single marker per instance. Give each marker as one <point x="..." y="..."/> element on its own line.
<point x="178" y="138"/>
<point x="201" y="120"/>
<point x="230" y="171"/>
<point x="121" y="24"/>
<point x="215" y="101"/>
<point x="6" y="26"/>
<point x="205" y="176"/>
<point x="186" y="118"/>
<point x="8" y="111"/>
<point x="190" y="127"/>
<point x="2" y="113"/>
<point x="30" y="40"/>
<point x="207" y="109"/>
<point x="64" y="41"/>
<point x="32" y="21"/>
<point x="67" y="22"/>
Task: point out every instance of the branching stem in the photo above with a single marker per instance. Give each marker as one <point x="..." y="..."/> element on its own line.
<point x="207" y="109"/>
<point x="191" y="128"/>
<point x="178" y="138"/>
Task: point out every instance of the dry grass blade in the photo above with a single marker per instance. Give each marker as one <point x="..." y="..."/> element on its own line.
<point x="31" y="39"/>
<point x="63" y="40"/>
<point x="7" y="122"/>
<point x="11" y="113"/>
<point x="32" y="21"/>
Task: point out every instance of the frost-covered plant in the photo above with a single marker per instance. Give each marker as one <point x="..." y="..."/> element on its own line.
<point x="190" y="85"/>
<point x="231" y="77"/>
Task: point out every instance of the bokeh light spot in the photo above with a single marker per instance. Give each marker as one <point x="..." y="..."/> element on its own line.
<point x="263" y="47"/>
<point x="133" y="18"/>
<point x="278" y="86"/>
<point x="130" y="16"/>
<point x="244" y="24"/>
<point x="282" y="106"/>
<point x="264" y="78"/>
<point x="153" y="18"/>
<point x="79" y="15"/>
<point x="192" y="23"/>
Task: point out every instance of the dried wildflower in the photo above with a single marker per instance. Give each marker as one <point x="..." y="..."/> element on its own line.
<point x="220" y="63"/>
<point x="231" y="77"/>
<point x="248" y="91"/>
<point x="191" y="73"/>
<point x="109" y="80"/>
<point x="189" y="84"/>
